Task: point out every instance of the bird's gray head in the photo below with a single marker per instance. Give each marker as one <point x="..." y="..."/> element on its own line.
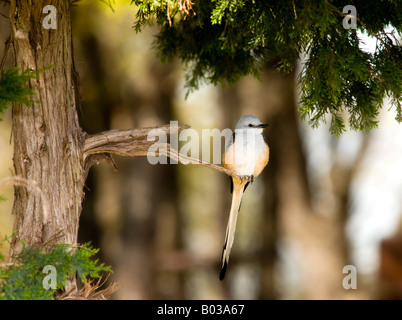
<point x="251" y="122"/>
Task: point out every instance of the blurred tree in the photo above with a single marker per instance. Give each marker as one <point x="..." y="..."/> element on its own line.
<point x="391" y="268"/>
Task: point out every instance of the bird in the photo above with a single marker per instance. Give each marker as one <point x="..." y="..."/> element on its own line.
<point x="246" y="154"/>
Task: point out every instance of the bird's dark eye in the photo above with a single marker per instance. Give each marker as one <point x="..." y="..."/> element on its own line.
<point x="250" y="125"/>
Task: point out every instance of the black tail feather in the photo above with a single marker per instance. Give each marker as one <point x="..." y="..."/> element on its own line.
<point x="245" y="186"/>
<point x="223" y="271"/>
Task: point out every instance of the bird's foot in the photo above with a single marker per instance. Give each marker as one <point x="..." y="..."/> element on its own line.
<point x="247" y="178"/>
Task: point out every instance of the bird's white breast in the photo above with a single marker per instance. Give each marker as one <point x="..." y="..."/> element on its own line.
<point x="246" y="151"/>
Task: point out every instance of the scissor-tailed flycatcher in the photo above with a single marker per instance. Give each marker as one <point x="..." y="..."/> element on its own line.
<point x="246" y="154"/>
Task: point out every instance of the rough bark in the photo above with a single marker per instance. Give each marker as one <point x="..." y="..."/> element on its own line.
<point x="47" y="138"/>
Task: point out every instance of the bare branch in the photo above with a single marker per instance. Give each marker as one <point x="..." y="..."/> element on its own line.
<point x="125" y="142"/>
<point x="165" y="149"/>
<point x="136" y="142"/>
<point x="186" y="6"/>
<point x="28" y="183"/>
<point x="91" y="291"/>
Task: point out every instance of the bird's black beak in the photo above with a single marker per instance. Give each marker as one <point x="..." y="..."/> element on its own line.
<point x="263" y="125"/>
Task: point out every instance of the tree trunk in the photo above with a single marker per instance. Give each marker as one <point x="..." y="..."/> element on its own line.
<point x="48" y="141"/>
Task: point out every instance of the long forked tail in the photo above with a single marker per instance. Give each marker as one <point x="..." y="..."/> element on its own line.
<point x="238" y="189"/>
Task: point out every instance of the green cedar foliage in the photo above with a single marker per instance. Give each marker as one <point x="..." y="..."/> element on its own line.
<point x="13" y="87"/>
<point x="23" y="280"/>
<point x="221" y="41"/>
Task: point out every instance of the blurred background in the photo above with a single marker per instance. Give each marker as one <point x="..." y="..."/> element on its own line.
<point x="321" y="203"/>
